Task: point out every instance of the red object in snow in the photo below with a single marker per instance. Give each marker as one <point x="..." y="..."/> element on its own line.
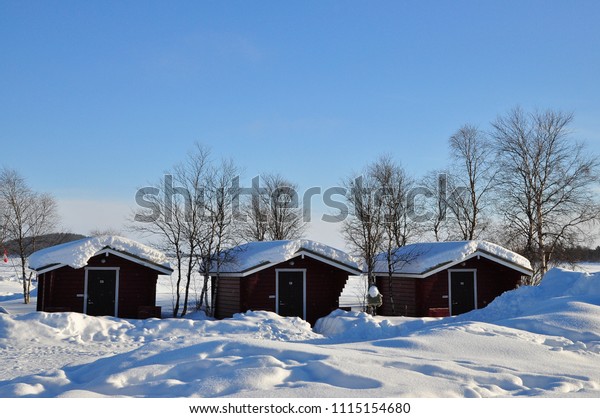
<point x="5" y="256"/>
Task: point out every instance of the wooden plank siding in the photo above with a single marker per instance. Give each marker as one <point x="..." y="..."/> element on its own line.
<point x="60" y="287"/>
<point x="404" y="291"/>
<point x="228" y="297"/>
<point x="432" y="293"/>
<point x="417" y="296"/>
<point x="324" y="284"/>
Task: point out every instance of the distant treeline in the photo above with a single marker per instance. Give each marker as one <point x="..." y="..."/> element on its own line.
<point x="43" y="241"/>
<point x="578" y="254"/>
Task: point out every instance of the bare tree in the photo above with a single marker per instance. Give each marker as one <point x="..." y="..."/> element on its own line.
<point x="219" y="234"/>
<point x="3" y="219"/>
<point x="27" y="215"/>
<point x="380" y="221"/>
<point x="173" y="211"/>
<point x="474" y="176"/>
<point x="393" y="188"/>
<point x="273" y="211"/>
<point x="547" y="183"/>
<point x="253" y="223"/>
<point x="191" y="213"/>
<point x="166" y="222"/>
<point x="393" y="185"/>
<point x="97" y="232"/>
<point x="363" y="230"/>
<point x="436" y="187"/>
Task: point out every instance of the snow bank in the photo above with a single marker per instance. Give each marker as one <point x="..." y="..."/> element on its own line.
<point x="535" y="342"/>
<point x="77" y="253"/>
<point x="565" y="304"/>
<point x="82" y="329"/>
<point x="343" y="326"/>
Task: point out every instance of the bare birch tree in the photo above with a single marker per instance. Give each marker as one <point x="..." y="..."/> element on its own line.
<point x="219" y="234"/>
<point x="191" y="214"/>
<point x="273" y="211"/>
<point x="436" y="224"/>
<point x="380" y="218"/>
<point x="253" y="223"/>
<point x="547" y="183"/>
<point x="173" y="212"/>
<point x="363" y="230"/>
<point x="27" y="215"/>
<point x="474" y="176"/>
<point x="393" y="186"/>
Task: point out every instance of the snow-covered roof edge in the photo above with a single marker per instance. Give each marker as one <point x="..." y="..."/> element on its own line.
<point x="77" y="253"/>
<point x="251" y="257"/>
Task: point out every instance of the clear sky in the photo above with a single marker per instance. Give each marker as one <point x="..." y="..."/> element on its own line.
<point x="100" y="98"/>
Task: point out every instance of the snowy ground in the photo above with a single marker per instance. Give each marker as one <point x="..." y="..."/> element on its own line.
<point x="542" y="341"/>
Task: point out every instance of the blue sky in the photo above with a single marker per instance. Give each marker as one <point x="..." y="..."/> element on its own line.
<point x="100" y="98"/>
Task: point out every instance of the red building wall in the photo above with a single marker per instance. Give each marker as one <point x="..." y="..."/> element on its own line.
<point x="416" y="297"/>
<point x="324" y="284"/>
<point x="58" y="289"/>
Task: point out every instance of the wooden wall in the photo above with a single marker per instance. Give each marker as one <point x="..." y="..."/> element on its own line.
<point x="228" y="297"/>
<point x="415" y="297"/>
<point x="324" y="284"/>
<point x="404" y="293"/>
<point x="59" y="288"/>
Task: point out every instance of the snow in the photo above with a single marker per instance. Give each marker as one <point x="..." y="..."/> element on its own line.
<point x="373" y="291"/>
<point x="422" y="257"/>
<point x="254" y="254"/>
<point x="353" y="294"/>
<point x="534" y="341"/>
<point x="77" y="253"/>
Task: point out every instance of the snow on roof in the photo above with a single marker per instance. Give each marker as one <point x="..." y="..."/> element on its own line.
<point x="253" y="255"/>
<point x="77" y="253"/>
<point x="421" y="258"/>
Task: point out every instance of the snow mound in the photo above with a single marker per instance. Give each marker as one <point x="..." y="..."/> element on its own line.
<point x="79" y="328"/>
<point x="373" y="291"/>
<point x="266" y="325"/>
<point x="344" y="326"/>
<point x="77" y="253"/>
<point x="358" y="326"/>
<point x="566" y="304"/>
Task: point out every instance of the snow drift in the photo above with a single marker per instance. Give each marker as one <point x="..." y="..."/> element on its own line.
<point x="566" y="303"/>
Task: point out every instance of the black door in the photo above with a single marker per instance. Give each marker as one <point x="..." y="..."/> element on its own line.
<point x="291" y="293"/>
<point x="462" y="290"/>
<point x="101" y="292"/>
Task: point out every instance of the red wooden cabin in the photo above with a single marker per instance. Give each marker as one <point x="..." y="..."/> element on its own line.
<point x="291" y="278"/>
<point x="447" y="278"/>
<point x="99" y="276"/>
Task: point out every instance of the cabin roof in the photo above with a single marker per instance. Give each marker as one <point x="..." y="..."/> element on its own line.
<point x="251" y="257"/>
<point x="77" y="253"/>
